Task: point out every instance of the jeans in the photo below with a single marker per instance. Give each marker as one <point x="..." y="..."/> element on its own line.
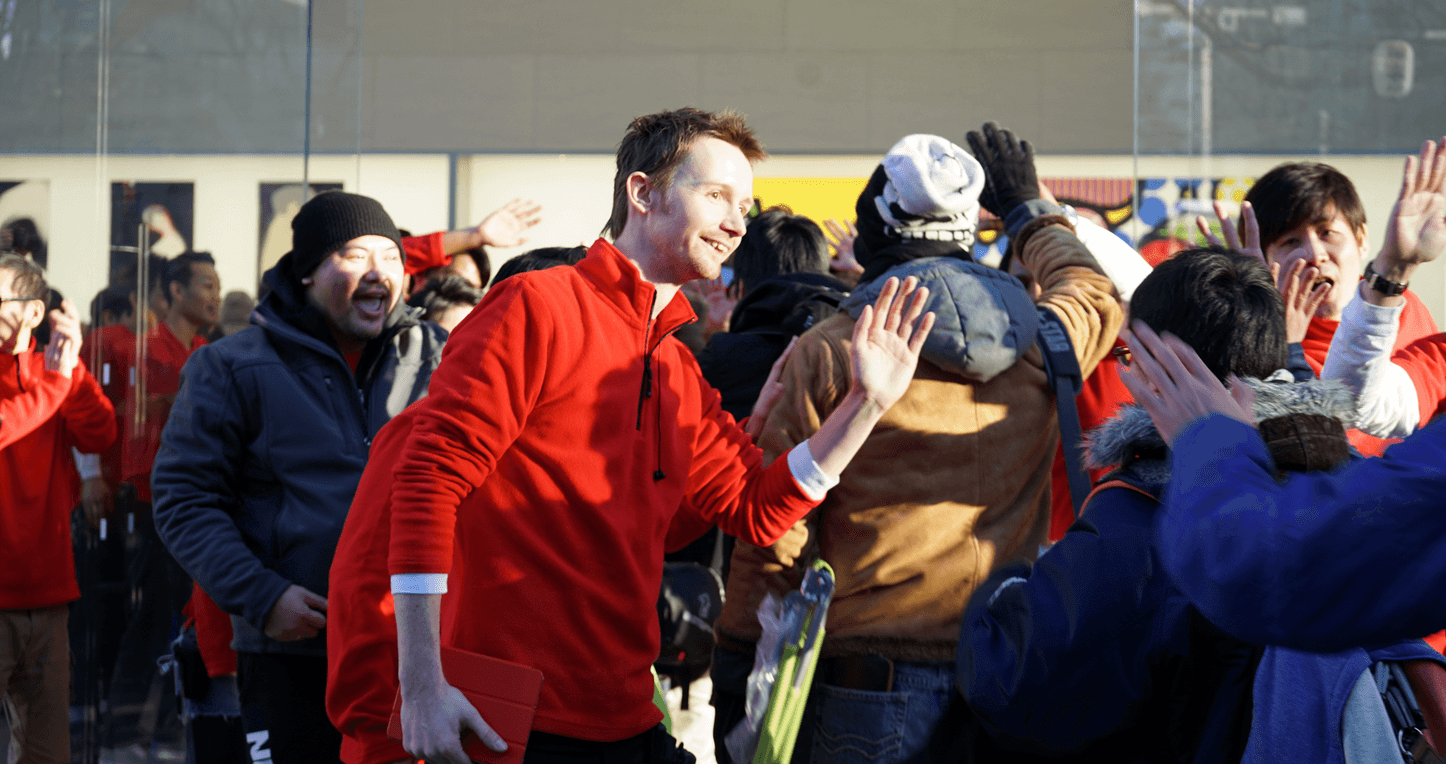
<point x="881" y="727"/>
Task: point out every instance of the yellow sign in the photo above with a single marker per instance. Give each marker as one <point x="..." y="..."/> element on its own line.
<point x="816" y="198"/>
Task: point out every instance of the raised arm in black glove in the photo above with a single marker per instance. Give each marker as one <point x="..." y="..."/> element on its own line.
<point x="1008" y="162"/>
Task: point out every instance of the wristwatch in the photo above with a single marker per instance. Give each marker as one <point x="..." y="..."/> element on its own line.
<point x="1382" y="284"/>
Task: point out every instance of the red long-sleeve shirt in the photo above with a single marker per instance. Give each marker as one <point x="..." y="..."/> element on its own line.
<point x="43" y="415"/>
<point x="1425" y="361"/>
<point x="562" y="432"/>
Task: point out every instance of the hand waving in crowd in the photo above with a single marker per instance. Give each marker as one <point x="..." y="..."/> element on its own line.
<point x="504" y="228"/>
<point x="1302" y="300"/>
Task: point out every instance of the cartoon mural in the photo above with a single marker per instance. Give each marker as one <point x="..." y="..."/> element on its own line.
<point x="1154" y="215"/>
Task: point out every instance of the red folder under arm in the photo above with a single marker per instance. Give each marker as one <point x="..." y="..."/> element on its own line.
<point x="504" y="693"/>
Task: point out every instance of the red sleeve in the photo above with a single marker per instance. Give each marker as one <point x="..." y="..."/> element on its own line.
<point x="1425" y="361"/>
<point x="728" y="484"/>
<point x="489" y="379"/>
<point x="425" y="253"/>
<point x="89" y="416"/>
<point x="1416" y="322"/>
<point x="22" y="412"/>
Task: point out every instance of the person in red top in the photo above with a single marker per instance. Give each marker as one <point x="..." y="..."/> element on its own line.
<point x="562" y="433"/>
<point x="158" y="586"/>
<point x="1309" y="212"/>
<point x="49" y="404"/>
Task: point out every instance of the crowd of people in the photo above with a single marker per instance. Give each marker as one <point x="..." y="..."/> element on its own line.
<point x="1075" y="507"/>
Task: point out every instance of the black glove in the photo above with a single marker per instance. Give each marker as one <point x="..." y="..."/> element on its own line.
<point x="1009" y="174"/>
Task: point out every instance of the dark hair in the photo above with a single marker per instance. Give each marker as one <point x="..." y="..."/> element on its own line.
<point x="1296" y="193"/>
<point x="440" y="295"/>
<point x="181" y="269"/>
<point x="115" y="299"/>
<point x="24" y="238"/>
<point x="1221" y="303"/>
<point x="484" y="263"/>
<point x="29" y="278"/>
<point x="779" y="242"/>
<point x="539" y="259"/>
<point x="656" y="144"/>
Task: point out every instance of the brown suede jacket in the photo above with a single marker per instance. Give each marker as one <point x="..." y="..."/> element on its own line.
<point x="953" y="480"/>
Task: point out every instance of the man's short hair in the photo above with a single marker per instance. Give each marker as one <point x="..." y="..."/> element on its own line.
<point x="28" y="280"/>
<point x="440" y="295"/>
<point x="657" y="143"/>
<point x="1221" y="303"/>
<point x="1297" y="193"/>
<point x="181" y="269"/>
<point x="779" y="242"/>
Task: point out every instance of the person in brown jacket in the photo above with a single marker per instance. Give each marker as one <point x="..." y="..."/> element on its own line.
<point x="955" y="479"/>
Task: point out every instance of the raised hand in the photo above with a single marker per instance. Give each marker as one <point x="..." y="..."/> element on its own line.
<point x="504" y="228"/>
<point x="841" y="236"/>
<point x="1302" y="299"/>
<point x="63" y="352"/>
<point x="887" y="339"/>
<point x="1175" y="387"/>
<point x="1251" y="245"/>
<point x="1010" y="178"/>
<point x="1417" y="231"/>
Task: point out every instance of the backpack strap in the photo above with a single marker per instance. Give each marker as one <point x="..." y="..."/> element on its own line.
<point x="1066" y="379"/>
<point x="1108" y="484"/>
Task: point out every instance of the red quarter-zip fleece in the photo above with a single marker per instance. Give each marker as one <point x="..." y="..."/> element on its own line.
<point x="562" y="432"/>
<point x="42" y="415"/>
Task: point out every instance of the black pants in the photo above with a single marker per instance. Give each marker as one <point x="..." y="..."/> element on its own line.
<point x="283" y="708"/>
<point x="655" y="746"/>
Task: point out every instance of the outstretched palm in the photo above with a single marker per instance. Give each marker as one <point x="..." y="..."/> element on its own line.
<point x="504" y="228"/>
<point x="1418" y="223"/>
<point x="887" y="339"/>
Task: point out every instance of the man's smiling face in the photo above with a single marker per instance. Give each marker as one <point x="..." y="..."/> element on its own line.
<point x="697" y="222"/>
<point x="356" y="287"/>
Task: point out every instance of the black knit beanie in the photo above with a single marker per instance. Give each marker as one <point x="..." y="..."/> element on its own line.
<point x="328" y="221"/>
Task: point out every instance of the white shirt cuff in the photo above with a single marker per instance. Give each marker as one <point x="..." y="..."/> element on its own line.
<point x="419" y="583"/>
<point x="88" y="465"/>
<point x="810" y="477"/>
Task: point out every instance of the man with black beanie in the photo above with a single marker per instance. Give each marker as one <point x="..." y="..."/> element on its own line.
<point x="265" y="445"/>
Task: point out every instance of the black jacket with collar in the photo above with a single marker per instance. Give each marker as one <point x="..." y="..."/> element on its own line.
<point x="264" y="448"/>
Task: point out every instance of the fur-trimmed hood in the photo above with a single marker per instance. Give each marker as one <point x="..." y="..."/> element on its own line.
<point x="1131" y="432"/>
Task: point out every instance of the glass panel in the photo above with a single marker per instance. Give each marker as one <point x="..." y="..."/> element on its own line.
<point x="1227" y="89"/>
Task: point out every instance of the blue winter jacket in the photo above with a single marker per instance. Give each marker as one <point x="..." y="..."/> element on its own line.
<point x="1300" y="697"/>
<point x="1322" y="561"/>
<point x="264" y="448"/>
<point x="1092" y="653"/>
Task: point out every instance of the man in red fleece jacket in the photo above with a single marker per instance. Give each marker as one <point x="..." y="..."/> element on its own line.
<point x="564" y="430"/>
<point x="49" y="403"/>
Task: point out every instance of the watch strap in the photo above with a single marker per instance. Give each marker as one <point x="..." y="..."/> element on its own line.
<point x="1382" y="284"/>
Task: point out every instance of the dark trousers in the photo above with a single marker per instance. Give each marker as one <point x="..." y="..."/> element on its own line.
<point x="655" y="746"/>
<point x="283" y="709"/>
<point x="142" y="702"/>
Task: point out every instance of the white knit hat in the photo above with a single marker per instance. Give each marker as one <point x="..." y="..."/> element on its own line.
<point x="932" y="192"/>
